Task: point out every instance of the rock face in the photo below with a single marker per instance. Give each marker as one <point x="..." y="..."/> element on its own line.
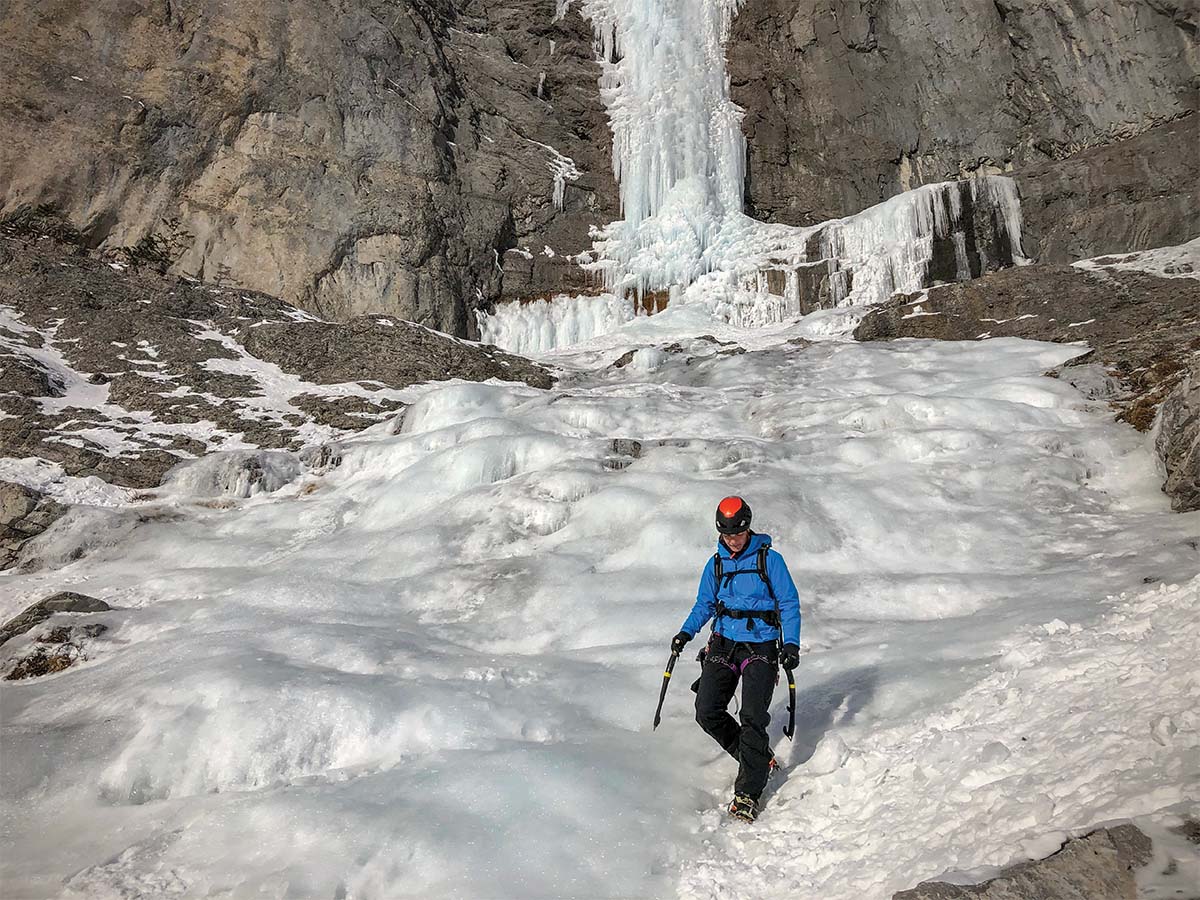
<point x="1098" y="866"/>
<point x="122" y="374"/>
<point x="1178" y="441"/>
<point x="1131" y="195"/>
<point x="424" y="160"/>
<point x="851" y="101"/>
<point x="24" y="514"/>
<point x="382" y="157"/>
<point x="1144" y="329"/>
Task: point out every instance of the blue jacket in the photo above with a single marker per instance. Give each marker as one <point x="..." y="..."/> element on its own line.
<point x="747" y="591"/>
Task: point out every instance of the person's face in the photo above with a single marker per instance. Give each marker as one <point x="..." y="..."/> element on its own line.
<point x="736" y="542"/>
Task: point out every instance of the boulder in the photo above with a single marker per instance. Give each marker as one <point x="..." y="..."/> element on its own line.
<point x="1097" y="866"/>
<point x="24" y="513"/>
<point x="1178" y="441"/>
<point x="62" y="602"/>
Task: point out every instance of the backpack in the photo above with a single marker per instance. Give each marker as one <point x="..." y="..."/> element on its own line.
<point x="768" y="617"/>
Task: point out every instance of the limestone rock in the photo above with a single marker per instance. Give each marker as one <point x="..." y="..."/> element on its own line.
<point x="380" y="158"/>
<point x="849" y="102"/>
<point x="62" y="602"/>
<point x="1178" y="441"/>
<point x="1098" y="866"/>
<point x="24" y="514"/>
<point x="1131" y="195"/>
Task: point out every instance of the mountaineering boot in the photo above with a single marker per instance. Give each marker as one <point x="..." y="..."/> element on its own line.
<point x="743" y="808"/>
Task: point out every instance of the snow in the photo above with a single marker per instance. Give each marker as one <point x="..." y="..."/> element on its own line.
<point x="431" y="670"/>
<point x="50" y="479"/>
<point x="1181" y="261"/>
<point x="1018" y="745"/>
<point x="1175" y="869"/>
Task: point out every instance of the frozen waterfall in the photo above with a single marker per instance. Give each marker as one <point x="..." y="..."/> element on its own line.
<point x="679" y="160"/>
<point x="678" y="150"/>
<point x="761" y="274"/>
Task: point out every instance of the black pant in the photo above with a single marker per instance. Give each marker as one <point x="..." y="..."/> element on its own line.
<point x="757" y="665"/>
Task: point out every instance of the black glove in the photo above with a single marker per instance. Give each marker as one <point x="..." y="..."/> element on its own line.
<point x="680" y="641"/>
<point x="790" y="658"/>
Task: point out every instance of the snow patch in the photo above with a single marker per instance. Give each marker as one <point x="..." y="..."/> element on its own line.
<point x="1181" y="261"/>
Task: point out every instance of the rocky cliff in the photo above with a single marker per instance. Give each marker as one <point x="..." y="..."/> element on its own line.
<point x="372" y="156"/>
<point x="424" y="159"/>
<point x="851" y="101"/>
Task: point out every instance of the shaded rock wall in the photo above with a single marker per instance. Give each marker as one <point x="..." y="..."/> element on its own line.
<point x="1133" y="195"/>
<point x="851" y="101"/>
<point x="1178" y="441"/>
<point x="369" y="156"/>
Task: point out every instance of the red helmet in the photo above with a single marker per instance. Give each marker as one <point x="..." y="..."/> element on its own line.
<point x="733" y="516"/>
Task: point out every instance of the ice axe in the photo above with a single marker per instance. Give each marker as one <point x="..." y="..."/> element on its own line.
<point x="791" y="725"/>
<point x="662" y="695"/>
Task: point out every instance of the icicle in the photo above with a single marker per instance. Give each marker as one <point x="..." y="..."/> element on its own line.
<point x="888" y="247"/>
<point x="1002" y="193"/>
<point x="543" y="325"/>
<point x="563" y="169"/>
<point x="962" y="264"/>
<point x="955" y="194"/>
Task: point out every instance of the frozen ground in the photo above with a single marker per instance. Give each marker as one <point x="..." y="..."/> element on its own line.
<point x="430" y="672"/>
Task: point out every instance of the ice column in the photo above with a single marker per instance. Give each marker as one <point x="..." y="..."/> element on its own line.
<point x="678" y="149"/>
<point x="542" y="325"/>
<point x="889" y="247"/>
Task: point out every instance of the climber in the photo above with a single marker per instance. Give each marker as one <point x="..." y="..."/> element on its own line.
<point x="747" y="591"/>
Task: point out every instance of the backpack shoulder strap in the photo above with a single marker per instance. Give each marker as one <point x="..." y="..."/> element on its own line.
<point x="762" y="569"/>
<point x="718" y="573"/>
<point x="762" y="573"/>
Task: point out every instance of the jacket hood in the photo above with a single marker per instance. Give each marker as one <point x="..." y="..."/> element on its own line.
<point x="756" y="540"/>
